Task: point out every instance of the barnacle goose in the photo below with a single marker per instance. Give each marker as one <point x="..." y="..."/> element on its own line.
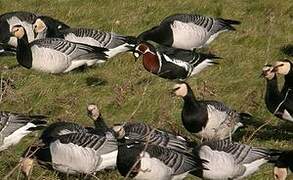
<point x="277" y="102"/>
<point x="187" y="31"/>
<point x="171" y="63"/>
<point x="115" y="43"/>
<point x="225" y="159"/>
<point x="73" y="153"/>
<point x="14" y="126"/>
<point x="54" y="55"/>
<point x="142" y="132"/>
<point x="284" y="165"/>
<point x="207" y="119"/>
<point x="26" y="20"/>
<point x="142" y="160"/>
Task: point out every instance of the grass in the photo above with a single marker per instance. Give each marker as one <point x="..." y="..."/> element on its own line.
<point x="125" y="91"/>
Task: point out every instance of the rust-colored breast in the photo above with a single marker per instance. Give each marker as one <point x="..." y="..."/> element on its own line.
<point x="151" y="63"/>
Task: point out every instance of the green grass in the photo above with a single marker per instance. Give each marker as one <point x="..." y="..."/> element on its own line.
<point x="122" y="87"/>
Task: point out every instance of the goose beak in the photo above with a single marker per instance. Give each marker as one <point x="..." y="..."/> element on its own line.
<point x="172" y="92"/>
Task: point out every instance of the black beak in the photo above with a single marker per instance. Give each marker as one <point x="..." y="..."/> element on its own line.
<point x="172" y="92"/>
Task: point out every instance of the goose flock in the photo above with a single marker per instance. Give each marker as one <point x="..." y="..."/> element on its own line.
<point x="137" y="150"/>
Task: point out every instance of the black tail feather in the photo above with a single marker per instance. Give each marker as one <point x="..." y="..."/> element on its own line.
<point x="228" y="23"/>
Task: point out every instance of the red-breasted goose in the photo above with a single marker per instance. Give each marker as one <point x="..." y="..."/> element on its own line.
<point x="225" y="159"/>
<point x="55" y="55"/>
<point x="142" y="160"/>
<point x="277" y="102"/>
<point x="171" y="63"/>
<point x="14" y="126"/>
<point x="187" y="31"/>
<point x="115" y="43"/>
<point x="208" y="119"/>
<point x="142" y="132"/>
<point x="73" y="153"/>
<point x="284" y="165"/>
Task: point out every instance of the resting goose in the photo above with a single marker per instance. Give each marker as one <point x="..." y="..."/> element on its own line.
<point x="225" y="159"/>
<point x="284" y="165"/>
<point x="171" y="63"/>
<point x="54" y="55"/>
<point x="277" y="102"/>
<point x="140" y="160"/>
<point x="187" y="31"/>
<point x="26" y="20"/>
<point x="115" y="43"/>
<point x="208" y="119"/>
<point x="14" y="126"/>
<point x="74" y="153"/>
<point x="285" y="67"/>
<point x="142" y="132"/>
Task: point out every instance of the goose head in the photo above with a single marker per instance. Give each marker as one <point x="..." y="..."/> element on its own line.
<point x="142" y="49"/>
<point x="119" y="131"/>
<point x="282" y="67"/>
<point x="280" y="173"/>
<point x="180" y="90"/>
<point x="39" y="26"/>
<point x="18" y="31"/>
<point x="93" y="111"/>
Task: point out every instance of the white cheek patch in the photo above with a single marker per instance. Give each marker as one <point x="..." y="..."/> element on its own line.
<point x="286" y="115"/>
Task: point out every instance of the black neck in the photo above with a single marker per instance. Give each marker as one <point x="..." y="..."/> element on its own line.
<point x="273" y="95"/>
<point x="194" y="116"/>
<point x="100" y="124"/>
<point x="23" y="52"/>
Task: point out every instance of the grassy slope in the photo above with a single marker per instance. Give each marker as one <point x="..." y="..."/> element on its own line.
<point x="122" y="86"/>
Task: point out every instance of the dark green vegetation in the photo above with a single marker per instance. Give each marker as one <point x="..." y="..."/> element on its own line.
<point x="125" y="91"/>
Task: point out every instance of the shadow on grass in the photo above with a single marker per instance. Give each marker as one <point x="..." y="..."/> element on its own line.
<point x="94" y="81"/>
<point x="287" y="50"/>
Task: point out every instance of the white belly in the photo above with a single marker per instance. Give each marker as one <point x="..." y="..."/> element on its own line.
<point x="48" y="60"/>
<point x="188" y="35"/>
<point x="152" y="168"/>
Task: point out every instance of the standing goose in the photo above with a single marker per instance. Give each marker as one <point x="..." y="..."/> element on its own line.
<point x="225" y="159"/>
<point x="139" y="160"/>
<point x="171" y="63"/>
<point x="54" y="55"/>
<point x="26" y="20"/>
<point x="284" y="165"/>
<point x="277" y="102"/>
<point x="142" y="132"/>
<point x="187" y="31"/>
<point x="115" y="43"/>
<point x="74" y="153"/>
<point x="285" y="67"/>
<point x="208" y="119"/>
<point x="13" y="127"/>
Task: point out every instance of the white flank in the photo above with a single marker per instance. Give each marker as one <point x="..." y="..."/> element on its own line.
<point x="201" y="66"/>
<point x="16" y="136"/>
<point x="220" y="165"/>
<point x="213" y="37"/>
<point x="252" y="167"/>
<point x="188" y="35"/>
<point x="108" y="160"/>
<point x="286" y="115"/>
<point x="1" y="50"/>
<point x="152" y="168"/>
<point x="72" y="159"/>
<point x="49" y="60"/>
